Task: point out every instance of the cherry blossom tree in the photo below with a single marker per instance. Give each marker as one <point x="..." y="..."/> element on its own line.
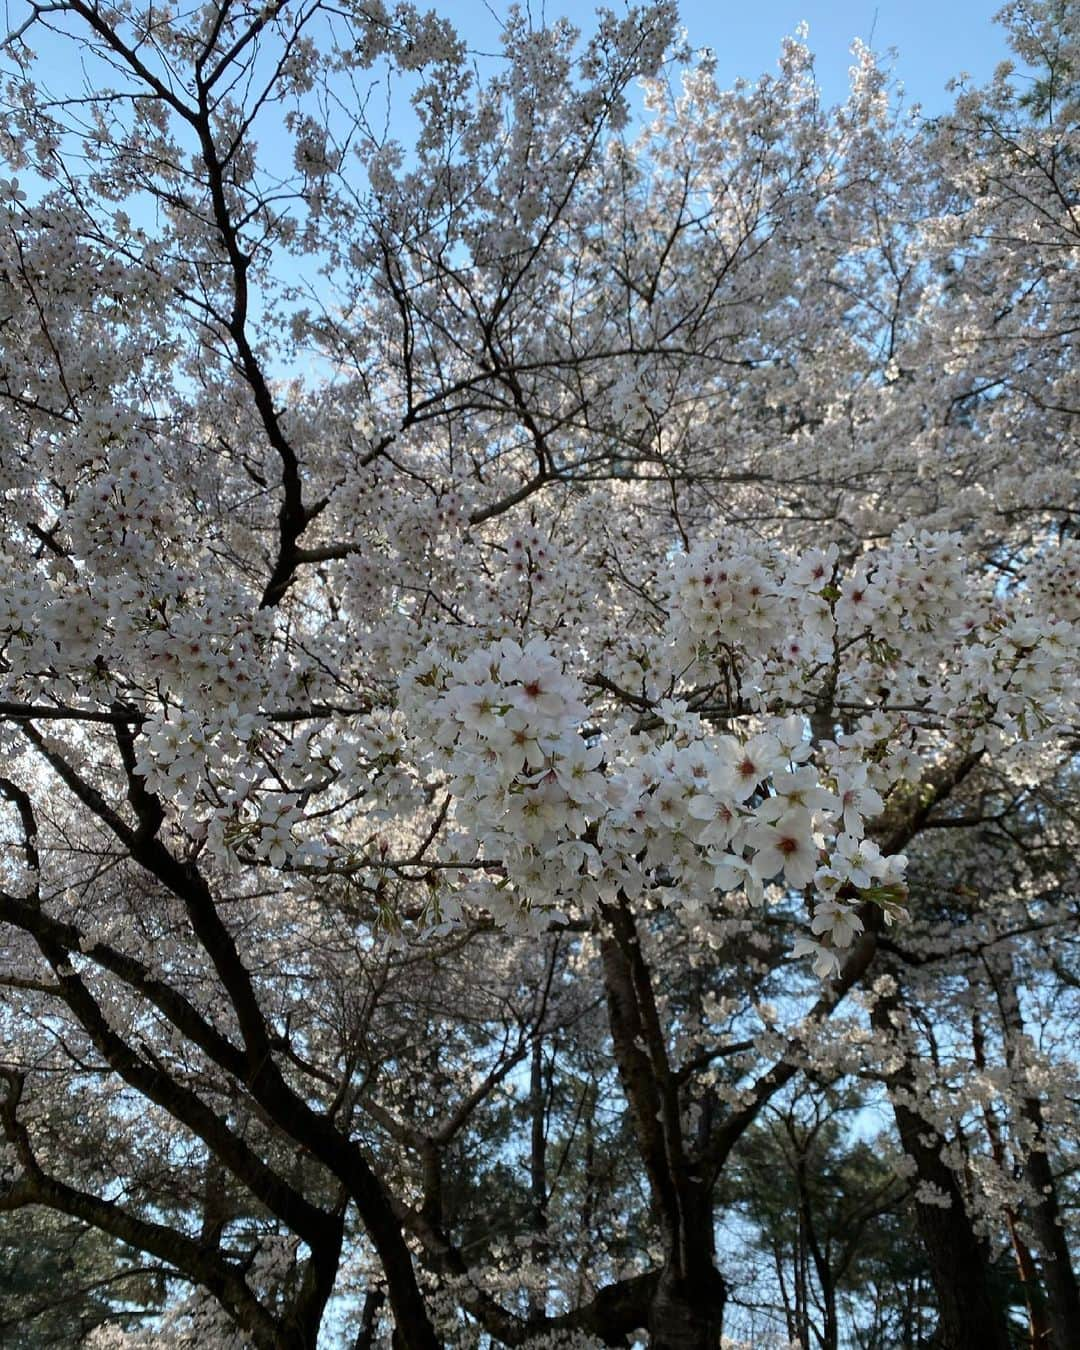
<point x="485" y="628"/>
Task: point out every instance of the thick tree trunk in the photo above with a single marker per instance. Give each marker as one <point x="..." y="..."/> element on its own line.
<point x="1059" y="1276"/>
<point x="682" y="1319"/>
<point x="1026" y="1270"/>
<point x="968" y="1317"/>
<point x="687" y="1306"/>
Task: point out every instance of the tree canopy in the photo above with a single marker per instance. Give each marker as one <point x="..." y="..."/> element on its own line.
<point x="538" y="687"/>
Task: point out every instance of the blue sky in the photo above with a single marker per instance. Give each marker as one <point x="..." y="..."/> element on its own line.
<point x="935" y="39"/>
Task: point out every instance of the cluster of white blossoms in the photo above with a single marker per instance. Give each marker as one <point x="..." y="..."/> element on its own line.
<point x="561" y="802"/>
<point x="566" y="817"/>
<point x="121" y="511"/>
<point x="906" y="629"/>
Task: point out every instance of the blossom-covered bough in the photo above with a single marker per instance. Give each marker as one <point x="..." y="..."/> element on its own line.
<point x="453" y="593"/>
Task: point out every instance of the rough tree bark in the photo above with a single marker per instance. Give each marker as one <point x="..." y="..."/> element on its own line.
<point x="687" y="1306"/>
<point x="969" y="1318"/>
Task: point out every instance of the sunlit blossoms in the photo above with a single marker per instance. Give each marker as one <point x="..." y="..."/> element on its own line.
<point x="569" y="799"/>
<point x="538" y="681"/>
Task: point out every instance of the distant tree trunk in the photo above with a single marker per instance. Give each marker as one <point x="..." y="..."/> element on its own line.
<point x="369" y="1320"/>
<point x="789" y="1312"/>
<point x="829" y="1338"/>
<point x="538" y="1192"/>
